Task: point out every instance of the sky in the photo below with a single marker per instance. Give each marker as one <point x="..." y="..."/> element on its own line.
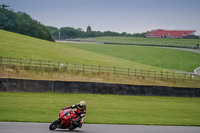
<point x="130" y="16"/>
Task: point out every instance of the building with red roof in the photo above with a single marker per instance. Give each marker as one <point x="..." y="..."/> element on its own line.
<point x="169" y="33"/>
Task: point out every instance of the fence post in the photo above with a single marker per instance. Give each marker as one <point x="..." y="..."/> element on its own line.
<point x="1" y="60"/>
<point x="40" y="64"/>
<point x="167" y="75"/>
<point x="58" y="65"/>
<point x="10" y="61"/>
<point x="49" y="64"/>
<point x="128" y="71"/>
<point x="190" y="76"/>
<point x="83" y="68"/>
<point x="135" y="72"/>
<point x="21" y="63"/>
<point x="66" y="66"/>
<point x="99" y="69"/>
<point x="142" y="73"/>
<point x="75" y="67"/>
<point x="31" y="63"/>
<point x="91" y="68"/>
<point x="161" y="74"/>
<point x="155" y="75"/>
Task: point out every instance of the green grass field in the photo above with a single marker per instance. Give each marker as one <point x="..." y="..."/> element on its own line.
<point x="152" y="56"/>
<point x="20" y="46"/>
<point x="147" y="41"/>
<point x="115" y="109"/>
<point x="143" y="58"/>
<point x="44" y="107"/>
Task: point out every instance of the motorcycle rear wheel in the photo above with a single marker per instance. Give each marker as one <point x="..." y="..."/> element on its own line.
<point x="55" y="124"/>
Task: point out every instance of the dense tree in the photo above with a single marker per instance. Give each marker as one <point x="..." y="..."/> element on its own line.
<point x="7" y="18"/>
<point x="54" y="32"/>
<point x="110" y="33"/>
<point x="89" y="29"/>
<point x="69" y="33"/>
<point x="22" y="23"/>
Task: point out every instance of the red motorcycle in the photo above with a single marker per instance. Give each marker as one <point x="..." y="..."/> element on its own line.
<point x="65" y="120"/>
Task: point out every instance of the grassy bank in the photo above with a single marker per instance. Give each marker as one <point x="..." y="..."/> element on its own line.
<point x="148" y="41"/>
<point x="115" y="109"/>
<point x="136" y="57"/>
<point x="20" y="46"/>
<point x="152" y="56"/>
<point x="18" y="73"/>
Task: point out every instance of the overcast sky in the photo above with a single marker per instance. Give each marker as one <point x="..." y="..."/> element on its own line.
<point x="131" y="16"/>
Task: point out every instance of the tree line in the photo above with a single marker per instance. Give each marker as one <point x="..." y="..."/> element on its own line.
<point x="70" y="33"/>
<point x="22" y="23"/>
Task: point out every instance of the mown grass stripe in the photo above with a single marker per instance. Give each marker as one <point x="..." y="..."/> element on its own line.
<point x="115" y="109"/>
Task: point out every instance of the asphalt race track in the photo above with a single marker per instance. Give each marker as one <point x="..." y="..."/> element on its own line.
<point x="22" y="127"/>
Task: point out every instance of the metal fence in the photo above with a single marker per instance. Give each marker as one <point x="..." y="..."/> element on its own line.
<point x="60" y="66"/>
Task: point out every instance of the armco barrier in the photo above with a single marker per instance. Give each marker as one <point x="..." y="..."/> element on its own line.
<point x="24" y="85"/>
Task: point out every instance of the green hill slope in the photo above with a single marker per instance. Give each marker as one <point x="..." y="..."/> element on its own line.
<point x="20" y="46"/>
<point x="147" y="41"/>
<point x="139" y="57"/>
<point x="153" y="56"/>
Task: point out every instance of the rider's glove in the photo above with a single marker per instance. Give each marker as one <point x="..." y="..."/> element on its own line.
<point x="66" y="108"/>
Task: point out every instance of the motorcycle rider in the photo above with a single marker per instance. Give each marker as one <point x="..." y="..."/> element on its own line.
<point x="80" y="113"/>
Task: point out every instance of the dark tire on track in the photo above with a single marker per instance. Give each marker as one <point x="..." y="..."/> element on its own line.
<point x="54" y="124"/>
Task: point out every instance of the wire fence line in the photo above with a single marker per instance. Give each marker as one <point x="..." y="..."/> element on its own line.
<point x="50" y="65"/>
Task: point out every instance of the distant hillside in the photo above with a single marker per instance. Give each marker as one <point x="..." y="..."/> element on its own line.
<point x="143" y="58"/>
<point x="171" y="42"/>
<point x="161" y="57"/>
<point x="20" y="46"/>
<point x="22" y="23"/>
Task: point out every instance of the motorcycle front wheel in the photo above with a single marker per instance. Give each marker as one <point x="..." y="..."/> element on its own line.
<point x="55" y="124"/>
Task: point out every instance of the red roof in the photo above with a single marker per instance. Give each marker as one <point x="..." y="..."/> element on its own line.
<point x="170" y="33"/>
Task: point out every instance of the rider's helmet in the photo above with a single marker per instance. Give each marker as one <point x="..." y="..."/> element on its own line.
<point x="81" y="105"/>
